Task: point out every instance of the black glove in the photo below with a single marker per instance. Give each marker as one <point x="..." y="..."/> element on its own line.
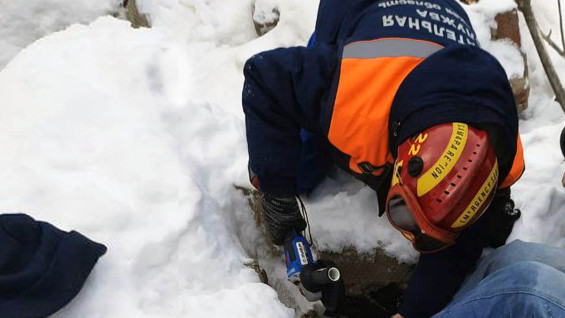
<point x="282" y="215"/>
<point x="496" y="224"/>
<point x="502" y="227"/>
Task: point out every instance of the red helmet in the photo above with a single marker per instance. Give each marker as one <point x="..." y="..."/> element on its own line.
<point x="443" y="181"/>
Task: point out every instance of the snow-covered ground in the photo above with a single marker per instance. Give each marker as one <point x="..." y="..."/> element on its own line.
<point x="135" y="137"/>
<point x="23" y="23"/>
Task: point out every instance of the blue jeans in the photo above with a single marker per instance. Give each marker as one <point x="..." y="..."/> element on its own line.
<point x="517" y="280"/>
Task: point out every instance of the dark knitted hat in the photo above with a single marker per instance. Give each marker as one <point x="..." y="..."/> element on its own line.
<point x="41" y="267"/>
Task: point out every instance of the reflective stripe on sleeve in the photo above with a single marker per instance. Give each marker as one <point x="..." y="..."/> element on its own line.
<point x="389" y="48"/>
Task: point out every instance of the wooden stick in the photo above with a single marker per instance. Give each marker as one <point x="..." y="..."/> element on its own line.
<point x="561" y="24"/>
<point x="526" y="9"/>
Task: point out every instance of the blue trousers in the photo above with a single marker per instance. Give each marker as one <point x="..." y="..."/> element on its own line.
<point x="517" y="280"/>
<point x="314" y="162"/>
<point x="314" y="158"/>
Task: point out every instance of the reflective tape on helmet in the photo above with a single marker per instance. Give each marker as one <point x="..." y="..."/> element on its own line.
<point x="433" y="176"/>
<point x="396" y="174"/>
<point x="480" y="198"/>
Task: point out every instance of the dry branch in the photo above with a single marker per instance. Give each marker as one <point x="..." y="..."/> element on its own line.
<point x="547" y="37"/>
<point x="525" y="7"/>
<point x="561" y="24"/>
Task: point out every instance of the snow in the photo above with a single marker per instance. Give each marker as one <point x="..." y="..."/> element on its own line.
<point x="21" y="24"/>
<point x="136" y="138"/>
<point x="116" y="151"/>
<point x="482" y="15"/>
<point x="539" y="193"/>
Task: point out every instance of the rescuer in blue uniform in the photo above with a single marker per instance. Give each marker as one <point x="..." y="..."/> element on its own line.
<point x="379" y="77"/>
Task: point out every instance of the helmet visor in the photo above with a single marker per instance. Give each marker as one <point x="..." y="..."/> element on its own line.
<point x="401" y="216"/>
<point x="403" y="219"/>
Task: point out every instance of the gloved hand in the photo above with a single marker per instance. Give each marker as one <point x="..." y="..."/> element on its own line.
<point x="282" y="215"/>
<point x="499" y="219"/>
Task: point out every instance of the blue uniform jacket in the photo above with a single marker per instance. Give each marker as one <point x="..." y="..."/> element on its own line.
<point x="288" y="89"/>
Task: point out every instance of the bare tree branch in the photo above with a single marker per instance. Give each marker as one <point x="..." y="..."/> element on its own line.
<point x="537" y="37"/>
<point x="561" y="24"/>
<point x="547" y="38"/>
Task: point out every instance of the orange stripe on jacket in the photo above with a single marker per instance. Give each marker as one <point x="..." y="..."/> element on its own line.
<point x="518" y="166"/>
<point x="359" y="125"/>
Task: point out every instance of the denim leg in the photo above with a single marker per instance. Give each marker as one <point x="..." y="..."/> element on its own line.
<point x="523" y="289"/>
<point x="512" y="253"/>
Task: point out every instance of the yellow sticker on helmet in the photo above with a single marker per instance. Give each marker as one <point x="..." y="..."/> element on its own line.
<point x="396" y="174"/>
<point x="446" y="162"/>
<point x="479" y="199"/>
<point x="409" y="237"/>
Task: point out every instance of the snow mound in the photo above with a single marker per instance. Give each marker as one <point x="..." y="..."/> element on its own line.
<point x="136" y="139"/>
<point x="22" y="22"/>
<point x="98" y="139"/>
